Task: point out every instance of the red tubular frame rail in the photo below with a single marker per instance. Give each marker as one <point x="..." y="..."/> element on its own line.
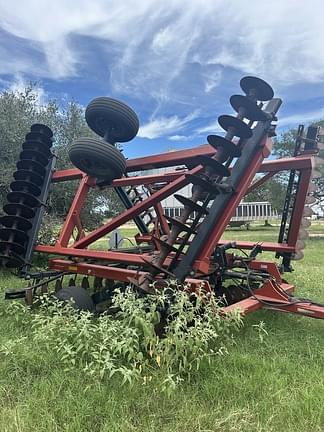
<point x="124" y="266"/>
<point x="174" y="181"/>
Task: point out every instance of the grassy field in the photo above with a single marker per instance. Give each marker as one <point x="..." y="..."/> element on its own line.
<point x="274" y="384"/>
<point x="256" y="233"/>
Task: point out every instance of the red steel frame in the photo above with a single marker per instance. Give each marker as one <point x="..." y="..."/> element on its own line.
<point x="175" y="180"/>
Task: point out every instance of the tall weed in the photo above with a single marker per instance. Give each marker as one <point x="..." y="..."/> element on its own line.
<point x="162" y="339"/>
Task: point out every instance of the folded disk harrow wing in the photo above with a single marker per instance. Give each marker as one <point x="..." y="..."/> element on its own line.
<point x="188" y="247"/>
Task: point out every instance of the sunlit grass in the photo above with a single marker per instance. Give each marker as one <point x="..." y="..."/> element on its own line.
<point x="276" y="384"/>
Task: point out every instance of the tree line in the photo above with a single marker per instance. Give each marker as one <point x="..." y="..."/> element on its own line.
<point x="274" y="190"/>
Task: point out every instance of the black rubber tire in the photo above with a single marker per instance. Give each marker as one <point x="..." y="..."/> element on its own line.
<point x="106" y="114"/>
<point x="79" y="297"/>
<point x="97" y="158"/>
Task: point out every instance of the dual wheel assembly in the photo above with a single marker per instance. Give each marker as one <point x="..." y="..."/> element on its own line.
<point x="114" y="122"/>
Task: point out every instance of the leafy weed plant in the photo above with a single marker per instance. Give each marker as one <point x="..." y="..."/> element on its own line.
<point x="166" y="336"/>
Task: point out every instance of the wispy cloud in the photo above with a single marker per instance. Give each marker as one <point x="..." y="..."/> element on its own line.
<point x="161" y="38"/>
<point x="211" y="128"/>
<point x="19" y="84"/>
<point x="169" y="55"/>
<point x="180" y="138"/>
<point x="304" y="117"/>
<point x="164" y="126"/>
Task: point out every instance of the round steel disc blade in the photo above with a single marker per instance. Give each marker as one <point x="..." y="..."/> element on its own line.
<point x="191" y="204"/>
<point x="37" y="146"/>
<point x="19" y="210"/>
<point x="16" y="222"/>
<point x="300" y="244"/>
<point x="316" y="174"/>
<point x="23" y="198"/>
<point x="10" y="261"/>
<point x="205" y="184"/>
<point x="28" y="176"/>
<point x="34" y="155"/>
<point x="42" y="139"/>
<point x="312" y="188"/>
<point x="12" y="234"/>
<point x="310" y="199"/>
<point x="307" y="212"/>
<point x="217" y="167"/>
<point x="217" y="141"/>
<point x="240" y="128"/>
<point x="251" y="109"/>
<point x="31" y="165"/>
<point x="25" y="186"/>
<point x="11" y="246"/>
<point x="303" y="234"/>
<point x="257" y="88"/>
<point x="297" y="255"/>
<point x="319" y="161"/>
<point x="39" y="127"/>
<point x="305" y="223"/>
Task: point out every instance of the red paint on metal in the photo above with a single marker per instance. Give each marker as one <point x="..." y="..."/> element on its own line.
<point x="104" y="271"/>
<point x="252" y="304"/>
<point x="220" y="225"/>
<point x="180" y="157"/>
<point x="161" y="219"/>
<point x="260" y="182"/>
<point x="118" y="257"/>
<point x="297" y="213"/>
<point x="73" y="217"/>
<point x="266" y="246"/>
<point x="147" y="179"/>
<point x="65" y="175"/>
<point x="266" y="266"/>
<point x="136" y="209"/>
<point x="114" y="273"/>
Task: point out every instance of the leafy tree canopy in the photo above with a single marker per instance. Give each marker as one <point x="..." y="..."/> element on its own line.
<point x="18" y="111"/>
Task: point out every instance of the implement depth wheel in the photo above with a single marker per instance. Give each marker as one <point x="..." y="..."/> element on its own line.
<point x="79" y="297"/>
<point x="97" y="158"/>
<point x="112" y="119"/>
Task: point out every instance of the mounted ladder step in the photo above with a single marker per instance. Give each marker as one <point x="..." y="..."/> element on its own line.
<point x="156" y="267"/>
<point x="216" y="166"/>
<point x="180" y="225"/>
<point x="164" y="245"/>
<point x="191" y="204"/>
<point x="212" y="188"/>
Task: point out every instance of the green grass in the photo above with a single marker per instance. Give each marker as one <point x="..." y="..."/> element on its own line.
<point x="257" y="232"/>
<point x="272" y="385"/>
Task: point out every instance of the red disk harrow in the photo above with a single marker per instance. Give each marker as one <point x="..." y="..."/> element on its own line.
<point x="189" y="248"/>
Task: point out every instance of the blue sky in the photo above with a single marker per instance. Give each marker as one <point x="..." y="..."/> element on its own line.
<point x="175" y="62"/>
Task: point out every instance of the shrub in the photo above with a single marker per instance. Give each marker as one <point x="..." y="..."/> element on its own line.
<point x="127" y="344"/>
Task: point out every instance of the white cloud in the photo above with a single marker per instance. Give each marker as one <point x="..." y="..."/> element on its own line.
<point x="277" y="39"/>
<point x="179" y="138"/>
<point x="163" y="126"/>
<point x="167" y="51"/>
<point x="19" y="84"/>
<point x="212" y="80"/>
<point x="302" y="118"/>
<point x="211" y="128"/>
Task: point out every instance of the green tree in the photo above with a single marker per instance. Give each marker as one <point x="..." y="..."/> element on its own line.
<point x="18" y="111"/>
<point x="273" y="190"/>
<point x="284" y="146"/>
